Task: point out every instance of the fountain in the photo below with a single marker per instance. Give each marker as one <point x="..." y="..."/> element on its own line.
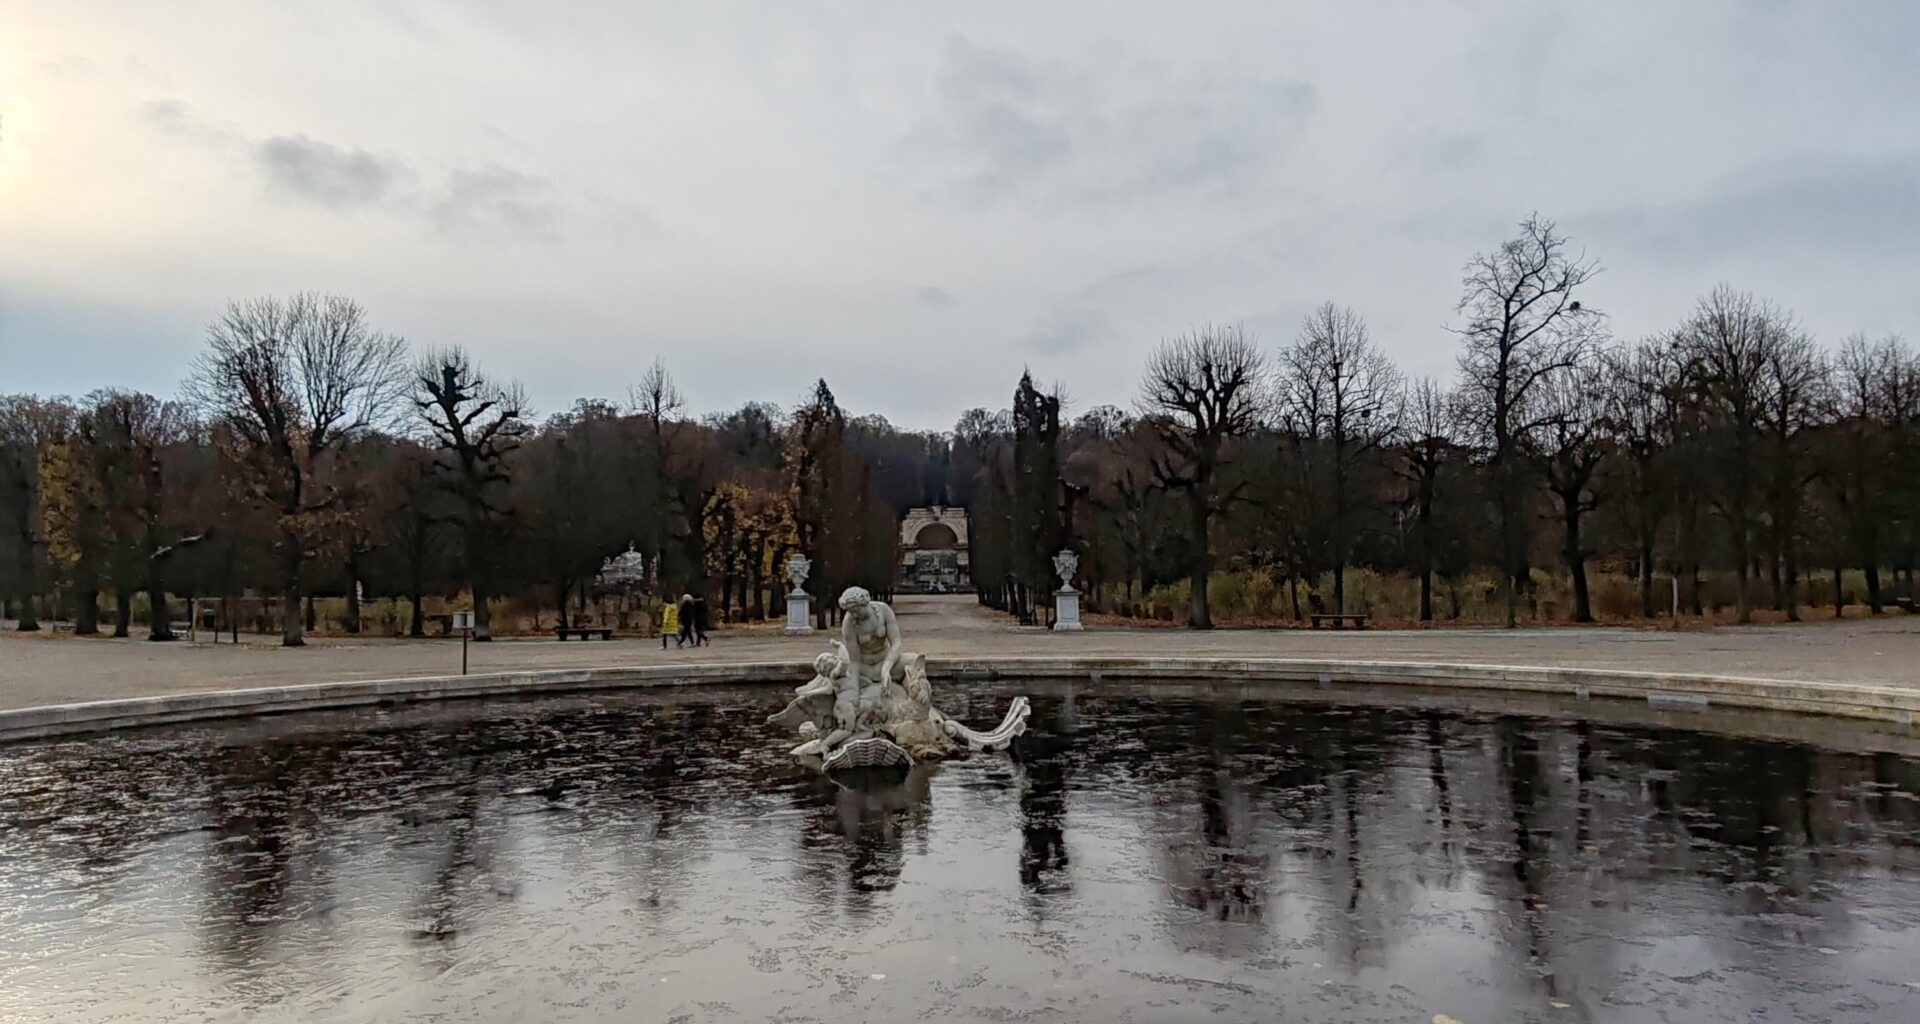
<point x="870" y="703"/>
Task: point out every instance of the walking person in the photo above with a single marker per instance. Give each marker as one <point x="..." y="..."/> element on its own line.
<point x="701" y="623"/>
<point x="686" y="622"/>
<point x="669" y="623"/>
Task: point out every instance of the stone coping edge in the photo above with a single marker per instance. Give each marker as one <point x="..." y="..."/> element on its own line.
<point x="1895" y="705"/>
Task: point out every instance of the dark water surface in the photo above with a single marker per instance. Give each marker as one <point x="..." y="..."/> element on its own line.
<point x="1179" y="853"/>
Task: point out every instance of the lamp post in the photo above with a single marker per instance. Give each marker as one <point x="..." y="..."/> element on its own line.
<point x="463" y="621"/>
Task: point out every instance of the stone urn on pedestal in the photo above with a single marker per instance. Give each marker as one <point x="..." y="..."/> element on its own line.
<point x="799" y="602"/>
<point x="1066" y="600"/>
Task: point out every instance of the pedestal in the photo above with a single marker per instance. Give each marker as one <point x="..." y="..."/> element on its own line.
<point x="1066" y="610"/>
<point x="799" y="613"/>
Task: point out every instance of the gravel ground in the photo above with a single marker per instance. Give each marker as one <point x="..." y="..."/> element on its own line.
<point x="46" y="668"/>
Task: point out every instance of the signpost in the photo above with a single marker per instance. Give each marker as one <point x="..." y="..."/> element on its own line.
<point x="463" y="621"/>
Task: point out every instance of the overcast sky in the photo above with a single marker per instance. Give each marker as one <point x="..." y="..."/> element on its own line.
<point x="916" y="200"/>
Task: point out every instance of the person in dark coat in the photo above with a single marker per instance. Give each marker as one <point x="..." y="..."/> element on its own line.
<point x="686" y="622"/>
<point x="700" y="622"/>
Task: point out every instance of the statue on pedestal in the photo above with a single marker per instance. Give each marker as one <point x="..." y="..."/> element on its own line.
<point x="1066" y="601"/>
<point x="1064" y="565"/>
<point x="870" y="702"/>
<point x="799" y="602"/>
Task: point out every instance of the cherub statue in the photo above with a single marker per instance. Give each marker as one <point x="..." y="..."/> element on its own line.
<point x="826" y="710"/>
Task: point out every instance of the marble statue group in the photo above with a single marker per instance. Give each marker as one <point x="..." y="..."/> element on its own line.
<point x="870" y="703"/>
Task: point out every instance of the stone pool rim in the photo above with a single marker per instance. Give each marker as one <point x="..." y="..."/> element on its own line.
<point x="1889" y="705"/>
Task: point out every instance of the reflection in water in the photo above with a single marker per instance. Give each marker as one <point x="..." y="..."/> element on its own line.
<point x="1170" y="853"/>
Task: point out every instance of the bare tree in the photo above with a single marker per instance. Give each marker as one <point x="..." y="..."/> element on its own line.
<point x="475" y="423"/>
<point x="1861" y="455"/>
<point x="658" y="401"/>
<point x="1728" y="345"/>
<point x="1797" y="384"/>
<point x="1428" y="431"/>
<point x="1642" y="388"/>
<point x="1201" y="392"/>
<point x="1523" y="326"/>
<point x="1570" y="444"/>
<point x="291" y="379"/>
<point x="1338" y="397"/>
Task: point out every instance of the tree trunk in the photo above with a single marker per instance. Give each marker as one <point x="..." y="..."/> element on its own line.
<point x="1839" y="594"/>
<point x="417" y="598"/>
<point x="482" y="614"/>
<point x="1791" y="556"/>
<point x="1646" y="579"/>
<point x="353" y="597"/>
<point x="159" y="621"/>
<point x="290" y="558"/>
<point x="1199" y="615"/>
<point x="1776" y="584"/>
<point x="1576" y="557"/>
<point x="86" y="614"/>
<point x="1510" y="544"/>
<point x="1742" y="565"/>
<point x="123" y="612"/>
<point x="756" y="585"/>
<point x="23" y="564"/>
<point x="1870" y="562"/>
<point x="313" y="614"/>
<point x="563" y="588"/>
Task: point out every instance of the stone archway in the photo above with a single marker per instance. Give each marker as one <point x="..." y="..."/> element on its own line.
<point x="933" y="551"/>
<point x="936" y="537"/>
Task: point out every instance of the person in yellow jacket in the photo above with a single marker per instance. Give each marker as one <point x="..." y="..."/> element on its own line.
<point x="669" y="622"/>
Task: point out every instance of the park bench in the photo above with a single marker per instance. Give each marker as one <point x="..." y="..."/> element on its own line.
<point x="1338" y="620"/>
<point x="584" y="632"/>
<point x="1905" y="604"/>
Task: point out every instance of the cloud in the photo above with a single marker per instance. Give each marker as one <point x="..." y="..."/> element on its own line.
<point x="1065" y="331"/>
<point x="301" y="168"/>
<point x="496" y="201"/>
<point x="1004" y="123"/>
<point x="1854" y="205"/>
<point x="177" y="120"/>
<point x="935" y="297"/>
<point x="490" y="201"/>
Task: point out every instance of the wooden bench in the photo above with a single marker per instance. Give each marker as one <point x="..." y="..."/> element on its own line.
<point x="584" y="632"/>
<point x="1905" y="604"/>
<point x="1338" y="620"/>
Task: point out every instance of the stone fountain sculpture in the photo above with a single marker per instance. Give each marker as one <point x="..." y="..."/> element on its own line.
<point x="870" y="703"/>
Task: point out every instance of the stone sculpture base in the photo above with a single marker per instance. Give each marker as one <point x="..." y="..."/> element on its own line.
<point x="886" y="723"/>
<point x="872" y="752"/>
<point x="1066" y="610"/>
<point x="799" y="614"/>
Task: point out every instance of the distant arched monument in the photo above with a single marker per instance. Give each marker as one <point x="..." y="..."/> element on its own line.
<point x="933" y="551"/>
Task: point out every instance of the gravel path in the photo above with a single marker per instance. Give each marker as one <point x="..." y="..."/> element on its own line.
<point x="37" y="669"/>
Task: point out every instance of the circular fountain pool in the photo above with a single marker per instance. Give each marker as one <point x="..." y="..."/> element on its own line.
<point x="1147" y="854"/>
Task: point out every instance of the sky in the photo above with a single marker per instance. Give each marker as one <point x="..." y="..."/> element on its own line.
<point x="917" y="201"/>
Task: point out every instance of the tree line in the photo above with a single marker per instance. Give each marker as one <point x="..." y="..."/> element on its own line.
<point x="309" y="456"/>
<point x="1729" y="447"/>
